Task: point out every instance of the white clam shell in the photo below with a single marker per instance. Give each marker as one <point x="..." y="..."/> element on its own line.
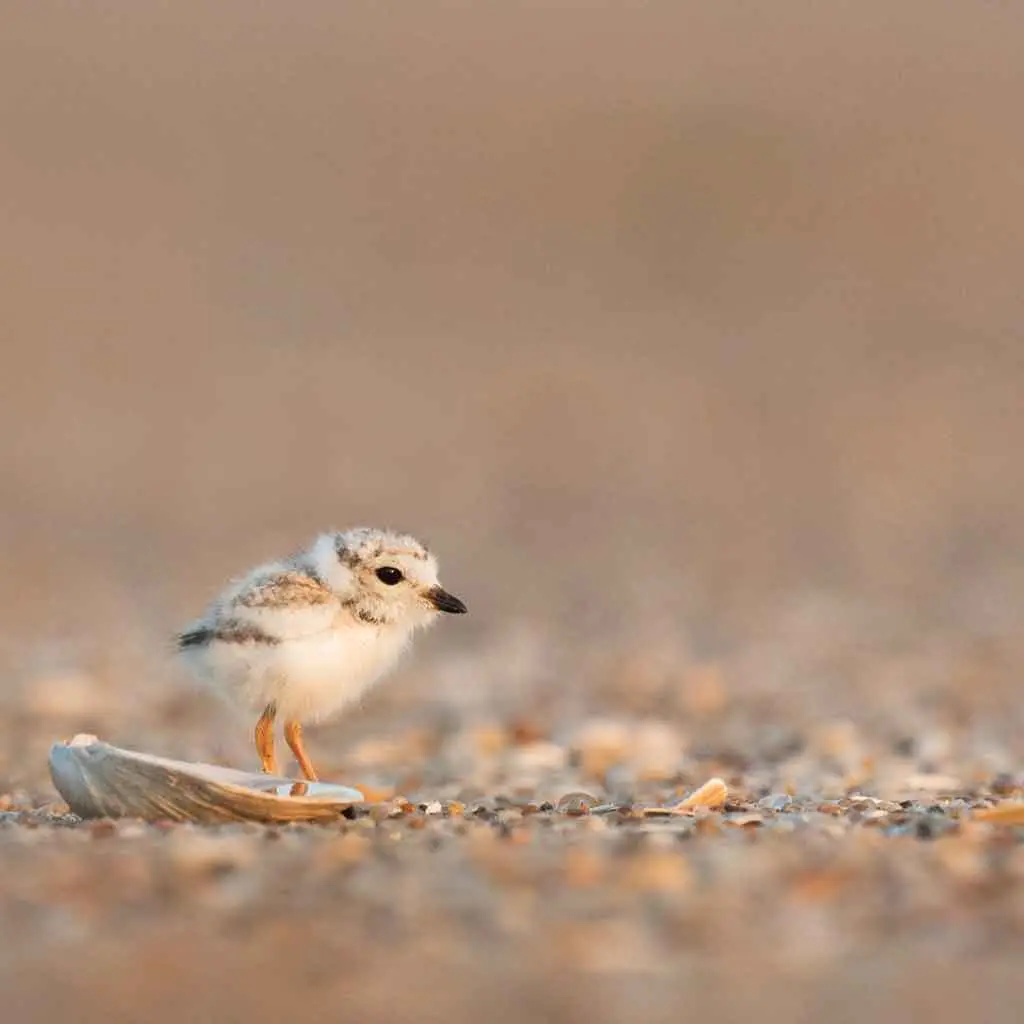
<point x="98" y="780"/>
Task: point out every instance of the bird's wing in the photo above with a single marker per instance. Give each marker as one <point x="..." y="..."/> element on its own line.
<point x="284" y="602"/>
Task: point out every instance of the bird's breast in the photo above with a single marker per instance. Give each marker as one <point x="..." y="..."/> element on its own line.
<point x="323" y="673"/>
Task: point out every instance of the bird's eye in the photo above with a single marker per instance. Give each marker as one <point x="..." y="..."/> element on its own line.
<point x="389" y="574"/>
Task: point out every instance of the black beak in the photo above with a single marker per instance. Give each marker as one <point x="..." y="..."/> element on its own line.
<point x="445" y="602"/>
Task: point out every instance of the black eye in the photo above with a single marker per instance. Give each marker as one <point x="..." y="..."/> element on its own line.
<point x="389" y="574"/>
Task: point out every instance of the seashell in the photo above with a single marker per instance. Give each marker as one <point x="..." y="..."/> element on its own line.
<point x="712" y="794"/>
<point x="98" y="780"/>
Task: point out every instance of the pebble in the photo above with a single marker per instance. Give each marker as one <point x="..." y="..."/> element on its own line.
<point x="570" y="840"/>
<point x="775" y="802"/>
<point x="575" y="804"/>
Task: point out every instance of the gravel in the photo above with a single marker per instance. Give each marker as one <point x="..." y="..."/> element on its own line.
<point x="561" y="872"/>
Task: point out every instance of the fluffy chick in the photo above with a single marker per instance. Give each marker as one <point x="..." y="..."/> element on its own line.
<point x="304" y="637"/>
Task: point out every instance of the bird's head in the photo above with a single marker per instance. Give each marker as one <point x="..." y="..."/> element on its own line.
<point x="383" y="578"/>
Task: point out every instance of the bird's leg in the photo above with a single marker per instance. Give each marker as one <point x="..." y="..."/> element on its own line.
<point x="293" y="734"/>
<point x="265" y="739"/>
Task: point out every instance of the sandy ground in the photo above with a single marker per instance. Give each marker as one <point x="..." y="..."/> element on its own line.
<point x="689" y="337"/>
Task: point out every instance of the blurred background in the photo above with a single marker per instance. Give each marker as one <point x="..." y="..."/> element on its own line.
<point x="663" y="325"/>
<point x="688" y="335"/>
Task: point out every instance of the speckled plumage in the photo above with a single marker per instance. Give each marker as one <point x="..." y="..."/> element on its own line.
<point x="305" y="636"/>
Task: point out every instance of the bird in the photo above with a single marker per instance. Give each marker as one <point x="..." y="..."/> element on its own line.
<point x="303" y="637"/>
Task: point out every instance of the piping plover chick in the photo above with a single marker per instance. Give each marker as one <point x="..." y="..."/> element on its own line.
<point x="304" y="637"/>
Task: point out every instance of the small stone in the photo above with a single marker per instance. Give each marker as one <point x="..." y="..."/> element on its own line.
<point x="749" y="820"/>
<point x="575" y="804"/>
<point x="775" y="802"/>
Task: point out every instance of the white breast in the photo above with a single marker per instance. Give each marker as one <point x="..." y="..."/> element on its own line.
<point x="308" y="678"/>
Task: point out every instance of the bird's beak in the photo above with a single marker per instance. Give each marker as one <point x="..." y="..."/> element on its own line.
<point x="445" y="602"/>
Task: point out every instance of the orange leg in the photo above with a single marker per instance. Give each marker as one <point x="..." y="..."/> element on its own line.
<point x="293" y="734"/>
<point x="265" y="739"/>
